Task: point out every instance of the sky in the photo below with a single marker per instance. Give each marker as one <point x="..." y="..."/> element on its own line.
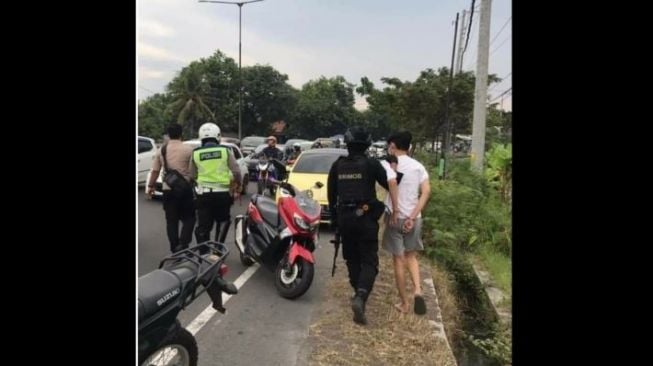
<point x="306" y="39"/>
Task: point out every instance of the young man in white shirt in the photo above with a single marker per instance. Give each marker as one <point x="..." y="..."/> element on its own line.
<point x="404" y="239"/>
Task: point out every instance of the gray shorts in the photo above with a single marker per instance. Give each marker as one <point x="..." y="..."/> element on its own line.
<point x="396" y="242"/>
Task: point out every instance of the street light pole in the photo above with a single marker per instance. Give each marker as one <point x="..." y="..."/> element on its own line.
<point x="240" y="72"/>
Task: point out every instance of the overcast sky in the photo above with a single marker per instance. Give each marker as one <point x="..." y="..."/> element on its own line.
<point x="309" y="38"/>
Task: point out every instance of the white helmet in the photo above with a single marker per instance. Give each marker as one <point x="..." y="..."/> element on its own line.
<point x="209" y="130"/>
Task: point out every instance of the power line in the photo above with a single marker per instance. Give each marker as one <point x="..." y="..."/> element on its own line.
<point x="501" y="30"/>
<point x="502" y="80"/>
<point x="473" y="58"/>
<point x="502" y="43"/>
<point x="502" y="94"/>
<point x="471" y="18"/>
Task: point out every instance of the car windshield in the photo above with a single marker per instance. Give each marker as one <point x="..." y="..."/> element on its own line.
<point x="315" y="163"/>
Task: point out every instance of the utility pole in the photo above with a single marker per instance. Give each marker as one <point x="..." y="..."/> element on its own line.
<point x="447" y="131"/>
<point x="461" y="42"/>
<point x="480" y="93"/>
<point x="240" y="71"/>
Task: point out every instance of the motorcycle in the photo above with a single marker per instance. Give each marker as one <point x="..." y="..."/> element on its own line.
<point x="164" y="292"/>
<point x="282" y="237"/>
<point x="265" y="171"/>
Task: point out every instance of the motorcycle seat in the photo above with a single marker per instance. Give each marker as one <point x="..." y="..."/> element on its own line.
<point x="156" y="290"/>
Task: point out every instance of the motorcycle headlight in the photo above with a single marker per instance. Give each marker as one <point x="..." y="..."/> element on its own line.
<point x="301" y="223"/>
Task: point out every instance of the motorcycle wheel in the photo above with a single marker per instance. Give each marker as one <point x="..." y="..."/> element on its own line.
<point x="181" y="350"/>
<point x="260" y="184"/>
<point x="293" y="281"/>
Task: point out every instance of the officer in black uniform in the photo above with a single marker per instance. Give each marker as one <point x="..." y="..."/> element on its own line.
<point x="356" y="210"/>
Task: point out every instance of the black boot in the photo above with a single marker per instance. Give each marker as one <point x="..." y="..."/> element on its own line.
<point x="358" y="306"/>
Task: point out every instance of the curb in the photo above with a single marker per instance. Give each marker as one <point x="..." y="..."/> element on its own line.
<point x="433" y="312"/>
<point x="495" y="295"/>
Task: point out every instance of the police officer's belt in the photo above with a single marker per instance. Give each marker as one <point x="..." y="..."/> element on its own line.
<point x="201" y="190"/>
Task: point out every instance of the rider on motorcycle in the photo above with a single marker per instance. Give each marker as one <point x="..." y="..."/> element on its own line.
<point x="296" y="150"/>
<point x="271" y="151"/>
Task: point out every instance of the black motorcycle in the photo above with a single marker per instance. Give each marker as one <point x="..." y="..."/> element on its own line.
<point x="164" y="292"/>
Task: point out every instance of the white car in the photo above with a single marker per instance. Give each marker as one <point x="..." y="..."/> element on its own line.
<point x="244" y="176"/>
<point x="146" y="150"/>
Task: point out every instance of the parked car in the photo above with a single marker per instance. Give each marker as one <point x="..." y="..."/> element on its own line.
<point x="231" y="140"/>
<point x="323" y="142"/>
<point x="158" y="186"/>
<point x="249" y="143"/>
<point x="289" y="145"/>
<point x="312" y="167"/>
<point x="146" y="150"/>
<point x="378" y="150"/>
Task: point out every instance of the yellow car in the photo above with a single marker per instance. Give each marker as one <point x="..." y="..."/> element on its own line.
<point x="311" y="167"/>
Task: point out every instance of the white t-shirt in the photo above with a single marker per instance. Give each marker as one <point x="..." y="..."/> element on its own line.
<point x="408" y="189"/>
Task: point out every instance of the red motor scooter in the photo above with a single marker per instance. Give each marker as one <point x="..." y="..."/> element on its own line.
<point x="281" y="236"/>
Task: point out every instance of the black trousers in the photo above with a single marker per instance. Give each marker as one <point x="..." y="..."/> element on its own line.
<point x="360" y="248"/>
<point x="179" y="208"/>
<point x="211" y="207"/>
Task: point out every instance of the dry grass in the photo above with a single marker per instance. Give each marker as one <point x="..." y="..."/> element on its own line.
<point x="389" y="338"/>
<point x="449" y="307"/>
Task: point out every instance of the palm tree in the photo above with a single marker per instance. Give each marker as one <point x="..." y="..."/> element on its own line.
<point x="189" y="90"/>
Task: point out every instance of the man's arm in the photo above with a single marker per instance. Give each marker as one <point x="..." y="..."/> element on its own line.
<point x="192" y="169"/>
<point x="233" y="166"/>
<point x="391" y="185"/>
<point x="154" y="175"/>
<point x="425" y="189"/>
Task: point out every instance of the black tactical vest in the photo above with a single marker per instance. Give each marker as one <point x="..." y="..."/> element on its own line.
<point x="354" y="180"/>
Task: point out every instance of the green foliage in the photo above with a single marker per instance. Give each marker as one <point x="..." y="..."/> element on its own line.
<point x="324" y="107"/>
<point x="152" y="116"/>
<point x="499" y="169"/>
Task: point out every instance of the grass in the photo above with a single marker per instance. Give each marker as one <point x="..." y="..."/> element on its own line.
<point x="389" y="338"/>
<point x="500" y="268"/>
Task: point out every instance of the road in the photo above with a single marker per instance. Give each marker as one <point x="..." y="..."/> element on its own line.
<point x="260" y="327"/>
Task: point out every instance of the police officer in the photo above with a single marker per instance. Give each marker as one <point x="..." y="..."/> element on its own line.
<point x="177" y="204"/>
<point x="356" y="211"/>
<point x="213" y="167"/>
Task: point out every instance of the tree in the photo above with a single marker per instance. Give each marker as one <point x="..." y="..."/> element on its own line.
<point x="267" y="97"/>
<point x="420" y="106"/>
<point x="499" y="126"/>
<point x="188" y="91"/>
<point x="325" y="107"/>
<point x="152" y="116"/>
<point x="221" y="75"/>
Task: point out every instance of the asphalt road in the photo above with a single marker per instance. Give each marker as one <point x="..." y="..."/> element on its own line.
<point x="260" y="327"/>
